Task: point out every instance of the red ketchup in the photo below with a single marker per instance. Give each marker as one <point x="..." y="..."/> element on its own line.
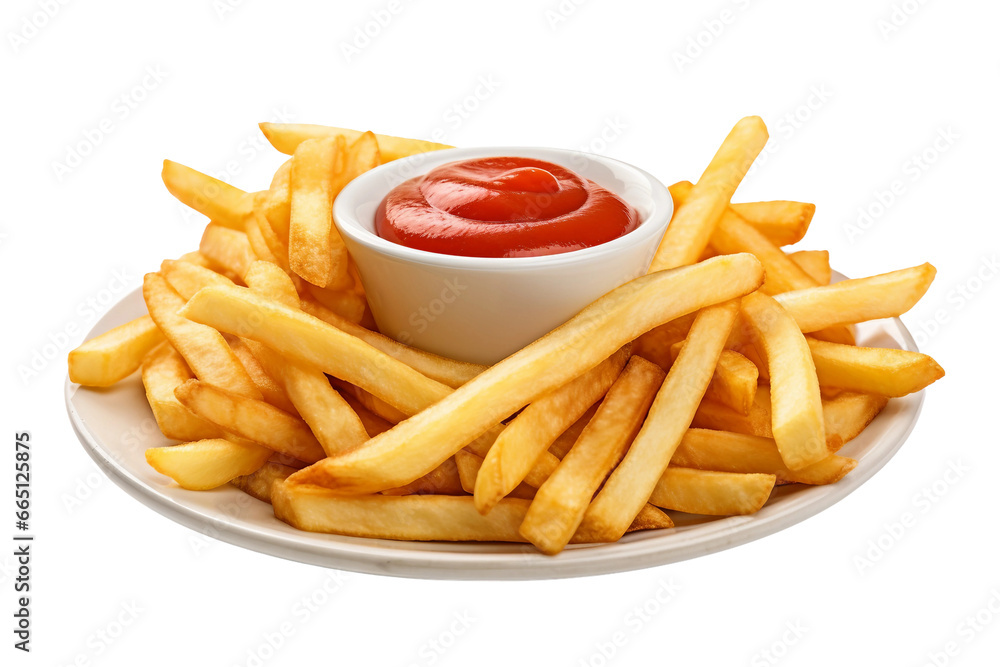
<point x="502" y="207"/>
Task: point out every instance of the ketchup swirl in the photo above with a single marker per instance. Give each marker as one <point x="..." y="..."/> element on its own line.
<point x="502" y="207"/>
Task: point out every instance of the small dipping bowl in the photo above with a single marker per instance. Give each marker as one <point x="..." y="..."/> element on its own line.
<point x="482" y="309"/>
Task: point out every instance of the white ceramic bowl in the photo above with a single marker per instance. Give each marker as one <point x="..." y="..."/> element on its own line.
<point x="481" y="309"/>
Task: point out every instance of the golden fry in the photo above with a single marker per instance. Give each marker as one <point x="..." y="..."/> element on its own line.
<point x="711" y="492"/>
<point x="115" y="354"/>
<point x="734" y="383"/>
<point x="287" y="137"/>
<point x="306" y="339"/>
<point x="221" y="202"/>
<point x="263" y="379"/>
<point x="733" y="234"/>
<point x="258" y="484"/>
<point x="629" y="486"/>
<point x="858" y="300"/>
<point x="443" y="480"/>
<point x="425" y="440"/>
<point x="735" y="452"/>
<point x="229" y="248"/>
<point x="419" y="517"/>
<point x="871" y="370"/>
<point x="315" y="250"/>
<point x="796" y="404"/>
<point x="695" y="219"/>
<point x="533" y="431"/>
<point x="814" y="262"/>
<point x="561" y="501"/>
<point x="252" y="419"/>
<point x="204" y="349"/>
<point x="784" y="222"/>
<point x="163" y="370"/>
<point x="446" y="371"/>
<point x="345" y="303"/>
<point x="847" y="415"/>
<point x="206" y="464"/>
<point x="336" y="426"/>
<point x="718" y="417"/>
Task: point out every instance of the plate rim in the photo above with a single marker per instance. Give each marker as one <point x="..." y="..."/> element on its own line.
<point x="388" y="557"/>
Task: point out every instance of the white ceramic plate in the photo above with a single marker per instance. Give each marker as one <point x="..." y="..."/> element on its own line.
<point x="116" y="426"/>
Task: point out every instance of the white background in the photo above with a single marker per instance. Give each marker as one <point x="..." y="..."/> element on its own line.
<point x="850" y="99"/>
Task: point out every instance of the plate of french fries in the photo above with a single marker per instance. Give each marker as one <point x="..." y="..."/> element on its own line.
<point x="735" y="389"/>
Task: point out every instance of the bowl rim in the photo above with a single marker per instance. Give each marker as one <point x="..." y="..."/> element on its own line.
<point x="346" y="203"/>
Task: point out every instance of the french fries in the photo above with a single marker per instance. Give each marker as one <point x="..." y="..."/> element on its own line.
<point x="316" y="251"/>
<point x="796" y="404"/>
<point x="711" y="492"/>
<point x="206" y="464"/>
<point x="344" y="303"/>
<point x="858" y="300"/>
<point x="372" y="422"/>
<point x="630" y="485"/>
<point x="657" y="344"/>
<point x="757" y="421"/>
<point x="163" y="370"/>
<point x="252" y="419"/>
<point x="561" y="501"/>
<point x="287" y="137"/>
<point x="443" y="480"/>
<point x="847" y="415"/>
<point x="320" y="169"/>
<point x="735" y="452"/>
<point x="694" y="221"/>
<point x="734" y="383"/>
<point x="270" y="391"/>
<point x="533" y="431"/>
<point x="221" y="202"/>
<point x="468" y="465"/>
<point x="419" y="517"/>
<point x="204" y="349"/>
<point x="732" y="234"/>
<point x="446" y="371"/>
<point x="544" y="466"/>
<point x="187" y="278"/>
<point x="311" y="341"/>
<point x="784" y="222"/>
<point x="275" y="215"/>
<point x="228" y="248"/>
<point x="873" y="370"/>
<point x="258" y="244"/>
<point x="259" y="356"/>
<point x="816" y="263"/>
<point x="114" y="355"/>
<point x="258" y="483"/>
<point x="277" y="247"/>
<point x="336" y="426"/>
<point x="422" y="442"/>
